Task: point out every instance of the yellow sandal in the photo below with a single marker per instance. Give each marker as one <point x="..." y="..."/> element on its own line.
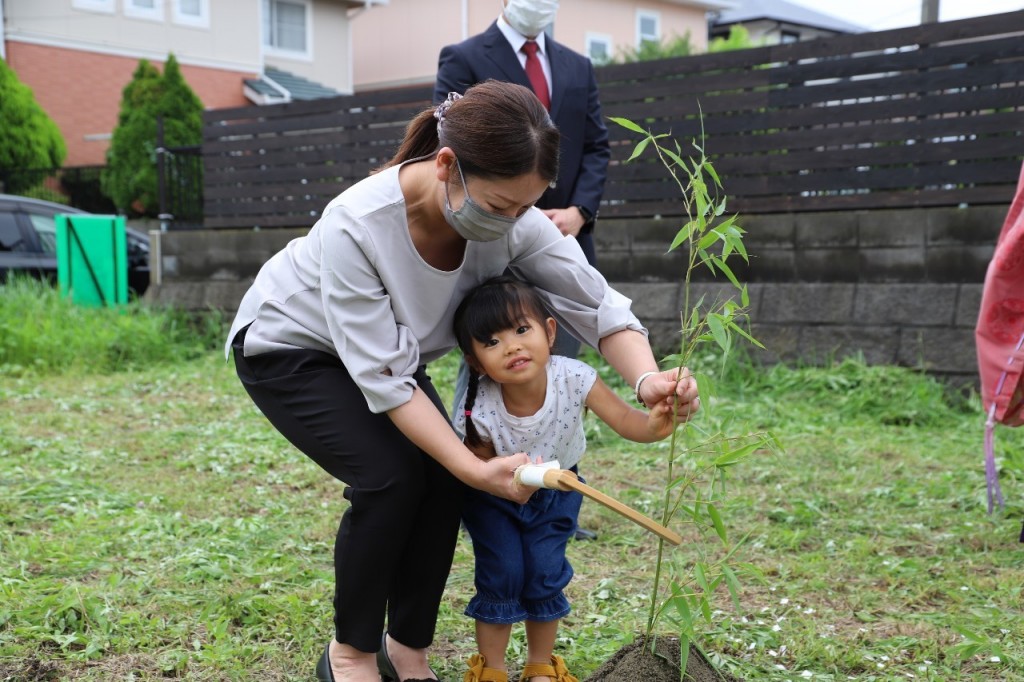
<point x="478" y="673"/>
<point x="556" y="671"/>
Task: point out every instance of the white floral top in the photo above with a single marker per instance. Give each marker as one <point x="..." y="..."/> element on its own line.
<point x="554" y="432"/>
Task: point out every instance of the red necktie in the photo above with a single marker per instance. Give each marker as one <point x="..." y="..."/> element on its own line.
<point x="535" y="72"/>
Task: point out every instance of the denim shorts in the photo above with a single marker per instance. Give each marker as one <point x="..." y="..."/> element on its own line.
<point x="521" y="567"/>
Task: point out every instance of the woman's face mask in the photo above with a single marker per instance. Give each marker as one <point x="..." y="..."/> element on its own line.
<point x="471" y="221"/>
<point x="530" y="17"/>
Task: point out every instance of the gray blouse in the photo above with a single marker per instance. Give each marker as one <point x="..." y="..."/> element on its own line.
<point x="356" y="287"/>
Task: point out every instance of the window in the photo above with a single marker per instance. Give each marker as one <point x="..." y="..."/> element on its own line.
<point x="46" y="229"/>
<point x="786" y="37"/>
<point x="648" y="27"/>
<point x="153" y="10"/>
<point x="599" y="48"/>
<point x="94" y="5"/>
<point x="10" y="235"/>
<point x="192" y="12"/>
<point x="286" y="27"/>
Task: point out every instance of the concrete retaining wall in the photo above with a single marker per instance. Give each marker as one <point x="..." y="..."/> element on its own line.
<point x="898" y="286"/>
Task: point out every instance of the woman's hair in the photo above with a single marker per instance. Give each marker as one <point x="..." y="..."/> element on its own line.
<point x="499" y="303"/>
<point x="497" y="130"/>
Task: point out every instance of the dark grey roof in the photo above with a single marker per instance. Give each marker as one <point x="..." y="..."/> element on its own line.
<point x="787" y="12"/>
<point x="263" y="87"/>
<point x="297" y="87"/>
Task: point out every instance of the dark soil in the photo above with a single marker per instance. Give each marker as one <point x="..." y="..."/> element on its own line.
<point x="632" y="663"/>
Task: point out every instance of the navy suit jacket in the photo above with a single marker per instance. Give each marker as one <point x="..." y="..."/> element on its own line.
<point x="575" y="110"/>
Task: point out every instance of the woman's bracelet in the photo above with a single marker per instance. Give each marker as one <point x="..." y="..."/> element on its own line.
<point x="636" y="388"/>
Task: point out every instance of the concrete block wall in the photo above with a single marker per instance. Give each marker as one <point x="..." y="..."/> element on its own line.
<point x="897" y="286"/>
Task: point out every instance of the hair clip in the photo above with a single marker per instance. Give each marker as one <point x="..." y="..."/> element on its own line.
<point x="442" y="109"/>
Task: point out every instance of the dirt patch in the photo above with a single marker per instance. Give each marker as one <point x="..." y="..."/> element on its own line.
<point x="32" y="670"/>
<point x="632" y="663"/>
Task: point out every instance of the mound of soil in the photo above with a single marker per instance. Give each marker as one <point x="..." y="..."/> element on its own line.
<point x="633" y="663"/>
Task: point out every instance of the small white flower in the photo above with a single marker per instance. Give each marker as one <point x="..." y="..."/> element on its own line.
<point x="784" y="600"/>
<point x="776" y="628"/>
<point x="773" y="653"/>
<point x="964" y="588"/>
<point x="806" y="674"/>
<point x="995" y="659"/>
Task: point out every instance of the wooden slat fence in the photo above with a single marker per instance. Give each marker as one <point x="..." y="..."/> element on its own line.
<point x="923" y="116"/>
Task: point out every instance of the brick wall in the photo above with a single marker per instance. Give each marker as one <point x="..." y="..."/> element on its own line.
<point x="81" y="92"/>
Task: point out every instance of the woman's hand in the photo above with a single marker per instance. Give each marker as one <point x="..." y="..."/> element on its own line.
<point x="498" y="478"/>
<point x="671" y="388"/>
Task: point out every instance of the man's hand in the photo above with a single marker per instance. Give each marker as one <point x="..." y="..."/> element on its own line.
<point x="569" y="221"/>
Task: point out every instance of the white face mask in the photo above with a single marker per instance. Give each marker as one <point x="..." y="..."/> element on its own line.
<point x="530" y="17"/>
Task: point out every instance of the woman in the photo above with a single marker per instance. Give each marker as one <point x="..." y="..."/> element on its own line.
<point x="332" y="339"/>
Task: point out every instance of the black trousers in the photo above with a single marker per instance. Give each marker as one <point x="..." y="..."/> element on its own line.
<point x="396" y="541"/>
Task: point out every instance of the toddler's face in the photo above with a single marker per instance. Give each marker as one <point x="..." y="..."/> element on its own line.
<point x="518" y="354"/>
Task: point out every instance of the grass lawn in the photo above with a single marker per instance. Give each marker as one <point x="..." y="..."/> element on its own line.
<point x="152" y="526"/>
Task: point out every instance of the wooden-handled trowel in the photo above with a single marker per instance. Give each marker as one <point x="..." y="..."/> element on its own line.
<point x="548" y="476"/>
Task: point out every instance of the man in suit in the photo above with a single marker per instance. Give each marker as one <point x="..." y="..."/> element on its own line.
<point x="567" y="86"/>
<point x="514" y="48"/>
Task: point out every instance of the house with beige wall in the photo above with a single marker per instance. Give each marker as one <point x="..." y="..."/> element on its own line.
<point x="774" y="22"/>
<point x="398" y="43"/>
<point x="78" y="55"/>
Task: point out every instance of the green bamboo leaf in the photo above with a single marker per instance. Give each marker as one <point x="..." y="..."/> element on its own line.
<point x="639" y="149"/>
<point x="675" y="157"/>
<point x="728" y="273"/>
<point x="626" y="123"/>
<point x="742" y="332"/>
<point x="709" y="238"/>
<point x="734" y="586"/>
<point x="682" y="608"/>
<point x="684" y="651"/>
<point x="716" y="519"/>
<point x="718" y="331"/>
<point x="702" y="579"/>
<point x="683" y="234"/>
<point x="705" y="608"/>
<point x="710" y="170"/>
<point x="733" y="456"/>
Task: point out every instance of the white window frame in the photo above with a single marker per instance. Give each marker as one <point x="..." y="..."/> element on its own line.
<point x="642" y="14"/>
<point x="604" y="39"/>
<point x="154" y="14"/>
<point x="307" y="55"/>
<point x="200" y="21"/>
<point x="105" y="6"/>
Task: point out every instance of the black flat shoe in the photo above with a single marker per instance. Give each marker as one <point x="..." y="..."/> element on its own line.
<point x="324" y="673"/>
<point x="387" y="669"/>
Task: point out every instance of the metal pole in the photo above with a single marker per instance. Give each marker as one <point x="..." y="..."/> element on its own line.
<point x="929" y="11"/>
<point x="161" y="175"/>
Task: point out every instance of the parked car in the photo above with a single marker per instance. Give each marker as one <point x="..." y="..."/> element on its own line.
<point x="28" y="242"/>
